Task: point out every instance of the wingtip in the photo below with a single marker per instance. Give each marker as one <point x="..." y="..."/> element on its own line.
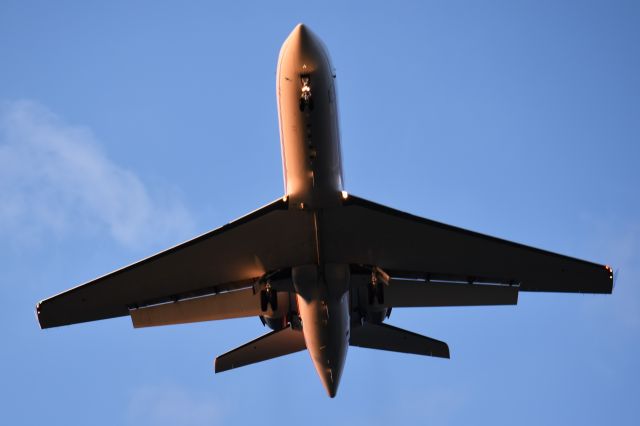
<point x="613" y="277"/>
<point x="219" y="367"/>
<point x="37" y="314"/>
<point x="445" y="352"/>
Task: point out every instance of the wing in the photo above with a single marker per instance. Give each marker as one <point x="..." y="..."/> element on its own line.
<point x="403" y="245"/>
<point x="231" y="257"/>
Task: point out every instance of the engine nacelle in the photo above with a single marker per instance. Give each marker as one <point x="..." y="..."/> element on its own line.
<point x="285" y="313"/>
<point x="367" y="300"/>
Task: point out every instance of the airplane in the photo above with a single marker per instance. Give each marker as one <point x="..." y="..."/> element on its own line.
<point x="320" y="267"/>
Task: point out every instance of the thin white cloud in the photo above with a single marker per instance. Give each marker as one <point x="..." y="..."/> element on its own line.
<point x="56" y="179"/>
<point x="167" y="405"/>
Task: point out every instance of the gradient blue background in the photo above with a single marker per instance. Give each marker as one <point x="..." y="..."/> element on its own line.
<point x="516" y="119"/>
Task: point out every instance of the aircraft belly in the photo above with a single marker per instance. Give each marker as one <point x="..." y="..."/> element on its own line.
<point x="323" y="305"/>
<point x="308" y="131"/>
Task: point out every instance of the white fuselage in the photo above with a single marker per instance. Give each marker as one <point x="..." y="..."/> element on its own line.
<point x="312" y="165"/>
<point x="310" y="139"/>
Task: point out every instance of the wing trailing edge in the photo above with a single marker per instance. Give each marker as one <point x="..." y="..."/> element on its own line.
<point x="408" y="293"/>
<point x="231" y="304"/>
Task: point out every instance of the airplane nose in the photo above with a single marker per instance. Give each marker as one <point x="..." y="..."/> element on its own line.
<point x="302" y="37"/>
<point x="303" y="53"/>
<point x="305" y="48"/>
<point x="300" y="30"/>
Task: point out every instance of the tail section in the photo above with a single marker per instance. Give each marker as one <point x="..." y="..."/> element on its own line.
<point x="271" y="345"/>
<point x="389" y="338"/>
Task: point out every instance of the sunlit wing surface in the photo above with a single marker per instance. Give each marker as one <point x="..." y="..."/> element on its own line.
<point x="231" y="257"/>
<point x="366" y="233"/>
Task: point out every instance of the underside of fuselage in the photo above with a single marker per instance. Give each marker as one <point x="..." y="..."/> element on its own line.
<point x="312" y="165"/>
<point x="308" y="115"/>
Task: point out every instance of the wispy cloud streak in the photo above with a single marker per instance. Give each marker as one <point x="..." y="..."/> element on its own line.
<point x="55" y="178"/>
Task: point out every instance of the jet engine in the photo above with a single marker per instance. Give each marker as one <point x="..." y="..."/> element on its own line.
<point x="283" y="309"/>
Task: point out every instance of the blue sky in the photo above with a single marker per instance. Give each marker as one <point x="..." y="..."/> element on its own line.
<point x="127" y="127"/>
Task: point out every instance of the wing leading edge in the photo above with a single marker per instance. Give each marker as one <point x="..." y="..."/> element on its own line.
<point x="404" y="245"/>
<point x="231" y="257"/>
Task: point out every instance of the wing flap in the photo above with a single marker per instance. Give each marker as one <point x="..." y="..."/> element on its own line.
<point x="404" y="293"/>
<point x="232" y="304"/>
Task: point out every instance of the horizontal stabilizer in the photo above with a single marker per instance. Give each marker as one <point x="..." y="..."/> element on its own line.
<point x="405" y="293"/>
<point x="232" y="304"/>
<point x="388" y="338"/>
<point x="271" y="345"/>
